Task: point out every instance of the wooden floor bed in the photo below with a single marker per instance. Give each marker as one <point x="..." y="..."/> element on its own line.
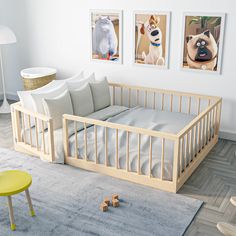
<point x="207" y="121"/>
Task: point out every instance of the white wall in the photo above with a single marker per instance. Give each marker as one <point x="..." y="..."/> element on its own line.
<point x="56" y="33"/>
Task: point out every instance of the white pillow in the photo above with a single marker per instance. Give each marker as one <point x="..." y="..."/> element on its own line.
<point x="26" y="98"/>
<point x="76" y="77"/>
<point x="56" y="107"/>
<point x="101" y="94"/>
<point x="52" y="93"/>
<point x="77" y="84"/>
<point x="82" y="101"/>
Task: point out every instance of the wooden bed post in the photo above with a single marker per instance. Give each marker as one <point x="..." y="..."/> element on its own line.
<point x="176" y="163"/>
<point x="16" y="125"/>
<point x="65" y="136"/>
<point x="218" y="112"/>
<point x="51" y="140"/>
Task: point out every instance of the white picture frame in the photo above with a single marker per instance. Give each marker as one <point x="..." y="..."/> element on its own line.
<point x="112" y="13"/>
<point x="166" y="48"/>
<point x="218" y="69"/>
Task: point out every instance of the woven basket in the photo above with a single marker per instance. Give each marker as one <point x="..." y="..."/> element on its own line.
<point x="37" y="77"/>
<point x="30" y="84"/>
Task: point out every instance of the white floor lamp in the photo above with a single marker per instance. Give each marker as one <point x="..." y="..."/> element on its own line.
<point x="6" y="37"/>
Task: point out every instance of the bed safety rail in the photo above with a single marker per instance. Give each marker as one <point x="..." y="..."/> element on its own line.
<point x="32" y="132"/>
<point x="81" y="159"/>
<point x="191" y="144"/>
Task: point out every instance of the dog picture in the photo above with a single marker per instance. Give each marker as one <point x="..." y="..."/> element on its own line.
<point x="105" y="36"/>
<point x="150" y="27"/>
<point x="202" y="51"/>
<point x="151" y="39"/>
<point x="203" y="37"/>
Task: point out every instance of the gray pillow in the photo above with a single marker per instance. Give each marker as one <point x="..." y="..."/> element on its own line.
<point x="57" y="107"/>
<point x="101" y="94"/>
<point x="82" y="101"/>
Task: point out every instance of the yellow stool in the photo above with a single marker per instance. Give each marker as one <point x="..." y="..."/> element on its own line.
<point x="13" y="182"/>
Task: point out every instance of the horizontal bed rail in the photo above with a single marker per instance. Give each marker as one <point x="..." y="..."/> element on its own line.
<point x="29" y="132"/>
<point x="127" y="128"/>
<point x="156" y="90"/>
<point x="154" y="98"/>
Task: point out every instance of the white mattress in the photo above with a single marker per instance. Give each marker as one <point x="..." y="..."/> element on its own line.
<point x="165" y="121"/>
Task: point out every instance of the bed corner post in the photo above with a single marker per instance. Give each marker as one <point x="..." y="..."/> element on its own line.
<point x="219" y="107"/>
<point x="15" y="117"/>
<point x="176" y="165"/>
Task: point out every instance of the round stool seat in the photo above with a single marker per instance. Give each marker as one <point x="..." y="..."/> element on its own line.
<point x="13" y="182"/>
<point x="233" y="200"/>
<point x="227" y="229"/>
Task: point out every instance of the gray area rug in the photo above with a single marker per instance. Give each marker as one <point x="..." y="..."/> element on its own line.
<point x="67" y="199"/>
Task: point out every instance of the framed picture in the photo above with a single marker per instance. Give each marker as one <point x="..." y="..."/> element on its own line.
<point x="202" y="42"/>
<point x="106" y="35"/>
<point x="151" y="38"/>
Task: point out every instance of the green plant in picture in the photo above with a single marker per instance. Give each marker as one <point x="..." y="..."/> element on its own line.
<point x="204" y="21"/>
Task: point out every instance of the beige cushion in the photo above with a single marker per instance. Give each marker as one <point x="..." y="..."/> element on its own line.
<point x="101" y="94"/>
<point x="82" y="101"/>
<point x="56" y="107"/>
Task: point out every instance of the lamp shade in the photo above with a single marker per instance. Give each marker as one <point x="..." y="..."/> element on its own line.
<point x="6" y="35"/>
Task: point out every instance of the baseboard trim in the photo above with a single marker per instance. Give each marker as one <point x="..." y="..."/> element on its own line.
<point x="227" y="135"/>
<point x="10" y="96"/>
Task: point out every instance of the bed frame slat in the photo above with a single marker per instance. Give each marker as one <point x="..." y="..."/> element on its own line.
<point x="154" y="100"/>
<point x="171" y="102"/>
<point x="162" y="101"/>
<point x="30" y="131"/>
<point x="76" y="140"/>
<point x="85" y="142"/>
<point x="36" y="133"/>
<point x="106" y="147"/>
<point x="127" y="151"/>
<point x="139" y="144"/>
<point x="150" y="157"/>
<point x="189" y="104"/>
<point x="145" y="101"/>
<point x="129" y="97"/>
<point x="96" y="144"/>
<point x="180" y="103"/>
<point x="162" y="157"/>
<point x="117" y="149"/>
<point x="43" y="136"/>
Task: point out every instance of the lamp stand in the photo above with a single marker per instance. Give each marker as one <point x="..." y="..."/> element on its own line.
<point x="5" y="107"/>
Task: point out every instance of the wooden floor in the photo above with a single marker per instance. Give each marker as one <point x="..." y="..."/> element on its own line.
<point x="214" y="182"/>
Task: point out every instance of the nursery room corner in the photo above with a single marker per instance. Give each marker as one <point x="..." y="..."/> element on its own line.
<point x="117" y="118"/>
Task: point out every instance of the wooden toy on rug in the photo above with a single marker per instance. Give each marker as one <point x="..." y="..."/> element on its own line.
<point x="115" y="203"/>
<point x="115" y="196"/>
<point x="104" y="207"/>
<point x="107" y="201"/>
